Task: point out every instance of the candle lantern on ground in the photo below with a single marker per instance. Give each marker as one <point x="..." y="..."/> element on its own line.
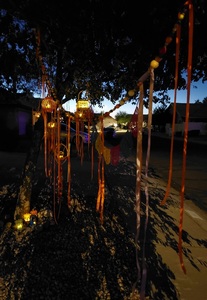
<point x="18" y="224"/>
<point x="33" y="217"/>
<point x="27" y="218"/>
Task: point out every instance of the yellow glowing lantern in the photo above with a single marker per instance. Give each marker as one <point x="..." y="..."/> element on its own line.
<point x="82" y="104"/>
<point x="61" y="154"/>
<point x="18" y="224"/>
<point x="181" y="16"/>
<point x="48" y="104"/>
<point x="51" y="125"/>
<point x="27" y="217"/>
<point x="83" y="110"/>
<point x="35" y="116"/>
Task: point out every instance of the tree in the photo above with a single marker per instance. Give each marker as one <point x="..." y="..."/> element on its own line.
<point x="122" y="118"/>
<point x="101" y="46"/>
<point x="204" y="101"/>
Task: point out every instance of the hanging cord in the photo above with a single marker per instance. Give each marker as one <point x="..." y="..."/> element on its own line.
<point x="174" y="115"/>
<point x="59" y="167"/>
<point x="92" y="160"/>
<point x="54" y="188"/>
<point x="45" y="142"/>
<point x="144" y="267"/>
<point x="93" y="136"/>
<point x="101" y="182"/>
<point x="81" y="144"/>
<point x="39" y="58"/>
<point x="189" y="71"/>
<point x="68" y="141"/>
<point x="138" y="178"/>
<point x="54" y="177"/>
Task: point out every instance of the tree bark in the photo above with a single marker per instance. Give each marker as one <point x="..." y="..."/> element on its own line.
<point x="24" y="197"/>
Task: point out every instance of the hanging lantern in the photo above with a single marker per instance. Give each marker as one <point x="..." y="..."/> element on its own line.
<point x="35" y="116"/>
<point x="82" y="106"/>
<point x="51" y="124"/>
<point x="61" y="153"/>
<point x="48" y="104"/>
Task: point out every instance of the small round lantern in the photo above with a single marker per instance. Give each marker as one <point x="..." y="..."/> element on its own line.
<point x="48" y="104"/>
<point x="51" y="124"/>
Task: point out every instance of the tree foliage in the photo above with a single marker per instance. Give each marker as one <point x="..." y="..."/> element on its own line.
<point x="122" y="117"/>
<point x="204" y="101"/>
<point x="100" y="46"/>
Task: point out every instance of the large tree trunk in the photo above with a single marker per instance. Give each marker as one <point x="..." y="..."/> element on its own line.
<point x="24" y="197"/>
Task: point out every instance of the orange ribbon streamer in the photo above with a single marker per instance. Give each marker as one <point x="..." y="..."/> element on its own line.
<point x="101" y="181"/>
<point x="189" y="71"/>
<point x="174" y="115"/>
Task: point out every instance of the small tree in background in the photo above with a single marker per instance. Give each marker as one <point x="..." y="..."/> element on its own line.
<point x="122" y="118"/>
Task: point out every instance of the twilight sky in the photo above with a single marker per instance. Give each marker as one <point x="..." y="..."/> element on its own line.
<point x="198" y="92"/>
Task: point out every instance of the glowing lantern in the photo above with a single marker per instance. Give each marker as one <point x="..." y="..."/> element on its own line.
<point x="48" y="104"/>
<point x="27" y="217"/>
<point x="61" y="154"/>
<point x="35" y="116"/>
<point x="181" y="16"/>
<point x="51" y="125"/>
<point x="82" y="104"/>
<point x="19" y="224"/>
<point x="82" y="109"/>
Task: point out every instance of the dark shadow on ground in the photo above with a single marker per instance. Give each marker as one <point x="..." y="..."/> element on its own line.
<point x="80" y="258"/>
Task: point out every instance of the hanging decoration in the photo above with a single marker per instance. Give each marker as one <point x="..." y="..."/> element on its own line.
<point x="153" y="65"/>
<point x="56" y="153"/>
<point x="48" y="109"/>
<point x="84" y="115"/>
<point x="101" y="181"/>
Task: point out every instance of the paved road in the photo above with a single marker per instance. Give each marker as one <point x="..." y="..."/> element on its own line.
<point x="196" y="171"/>
<point x="196" y="166"/>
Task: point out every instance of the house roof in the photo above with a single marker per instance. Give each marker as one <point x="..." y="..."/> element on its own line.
<point x="25" y="100"/>
<point x="107" y="121"/>
<point x="196" y="110"/>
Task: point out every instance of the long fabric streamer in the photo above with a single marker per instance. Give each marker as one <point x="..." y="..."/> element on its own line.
<point x="138" y="179"/>
<point x="189" y="70"/>
<point x="174" y="115"/>
<point x="144" y="266"/>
